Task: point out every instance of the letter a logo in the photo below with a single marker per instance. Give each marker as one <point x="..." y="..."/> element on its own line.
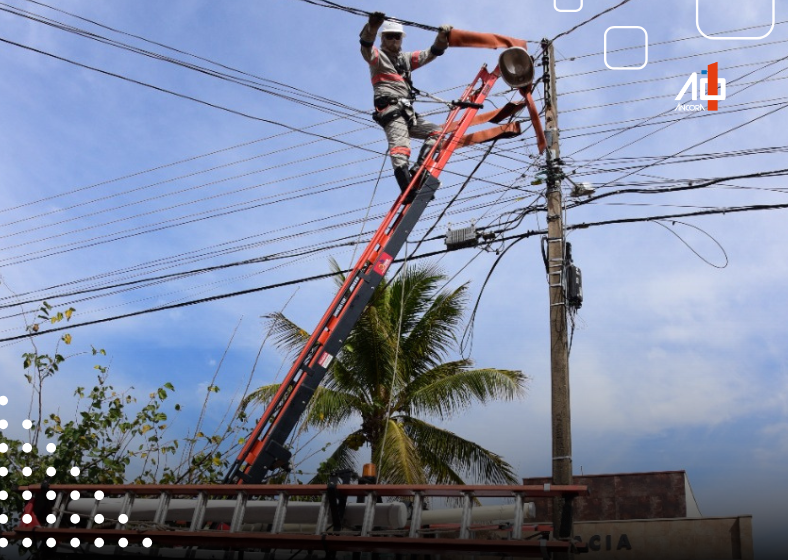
<point x="692" y="81"/>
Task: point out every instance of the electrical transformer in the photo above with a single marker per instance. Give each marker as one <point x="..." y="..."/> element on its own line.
<point x="574" y="286"/>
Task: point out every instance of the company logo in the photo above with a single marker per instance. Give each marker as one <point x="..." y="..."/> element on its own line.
<point x="711" y="88"/>
<point x="383" y="263"/>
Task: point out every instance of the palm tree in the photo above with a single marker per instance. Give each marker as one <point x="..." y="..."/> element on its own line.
<point x="391" y="373"/>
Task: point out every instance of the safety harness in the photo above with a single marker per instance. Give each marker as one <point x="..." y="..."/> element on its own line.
<point x="403" y="105"/>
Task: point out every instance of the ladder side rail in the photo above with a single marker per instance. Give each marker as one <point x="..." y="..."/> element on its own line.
<point x="487" y="79"/>
<point x="453" y="129"/>
<point x="293" y="396"/>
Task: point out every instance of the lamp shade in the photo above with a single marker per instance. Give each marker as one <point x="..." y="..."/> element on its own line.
<point x="517" y="68"/>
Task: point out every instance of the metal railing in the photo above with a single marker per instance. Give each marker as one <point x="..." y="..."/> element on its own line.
<point x="195" y="518"/>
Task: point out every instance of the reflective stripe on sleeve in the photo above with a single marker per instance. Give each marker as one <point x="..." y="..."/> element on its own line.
<point x="414" y="60"/>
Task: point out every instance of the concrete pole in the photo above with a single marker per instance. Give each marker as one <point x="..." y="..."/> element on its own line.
<point x="556" y="262"/>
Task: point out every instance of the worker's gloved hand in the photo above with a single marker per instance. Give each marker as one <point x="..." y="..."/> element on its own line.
<point x="441" y="40"/>
<point x="376" y="19"/>
<point x="370" y="30"/>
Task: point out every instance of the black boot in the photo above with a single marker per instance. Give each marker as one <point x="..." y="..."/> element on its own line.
<point x="402" y="175"/>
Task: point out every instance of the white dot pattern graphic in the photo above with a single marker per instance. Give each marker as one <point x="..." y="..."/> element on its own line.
<point x="51" y="495"/>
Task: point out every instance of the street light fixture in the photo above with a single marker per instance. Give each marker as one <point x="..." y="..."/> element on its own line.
<point x="517" y="67"/>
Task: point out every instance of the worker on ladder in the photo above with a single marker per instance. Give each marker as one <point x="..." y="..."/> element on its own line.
<point x="390" y="69"/>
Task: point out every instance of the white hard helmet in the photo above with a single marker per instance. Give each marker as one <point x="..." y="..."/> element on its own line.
<point x="391" y="27"/>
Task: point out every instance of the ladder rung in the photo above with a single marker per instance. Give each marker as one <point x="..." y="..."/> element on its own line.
<point x="93" y="512"/>
<point x="238" y="513"/>
<point x="415" y="519"/>
<point x="199" y="512"/>
<point x="162" y="508"/>
<point x="322" y="515"/>
<point x="517" y="528"/>
<point x="369" y="513"/>
<point x="59" y="507"/>
<point x="467" y="515"/>
<point x="281" y="513"/>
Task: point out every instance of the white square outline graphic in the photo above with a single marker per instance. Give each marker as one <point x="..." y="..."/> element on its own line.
<point x="555" y="5"/>
<point x="697" y="24"/>
<point x="626" y="67"/>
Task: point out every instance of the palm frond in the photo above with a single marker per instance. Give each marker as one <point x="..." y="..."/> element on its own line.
<point x="339" y="277"/>
<point x="411" y="293"/>
<point x="398" y="458"/>
<point x="432" y="337"/>
<point x="261" y="395"/>
<point x="466" y="457"/>
<point x="288" y="337"/>
<point x="329" y="408"/>
<point x="454" y="389"/>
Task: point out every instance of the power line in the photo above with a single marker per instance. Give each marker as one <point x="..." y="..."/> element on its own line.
<point x="206" y="71"/>
<point x="183" y="95"/>
<point x="589" y="20"/>
<point x="716" y="211"/>
<point x="659" y="43"/>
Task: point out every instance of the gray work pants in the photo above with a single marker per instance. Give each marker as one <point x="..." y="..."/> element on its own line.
<point x="398" y="135"/>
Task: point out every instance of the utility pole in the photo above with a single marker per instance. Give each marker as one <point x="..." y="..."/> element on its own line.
<point x="556" y="266"/>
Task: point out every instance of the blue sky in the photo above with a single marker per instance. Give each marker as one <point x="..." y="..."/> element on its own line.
<point x="676" y="363"/>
